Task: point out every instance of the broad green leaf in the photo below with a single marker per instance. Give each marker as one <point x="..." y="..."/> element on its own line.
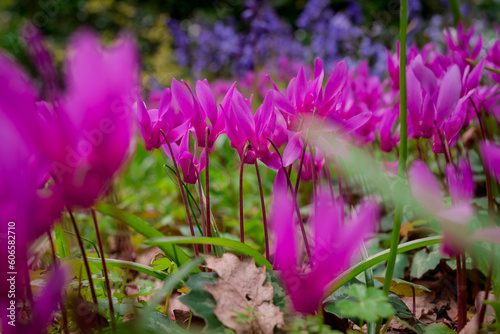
<point x="112" y="263"/>
<point x="424" y="261"/>
<point x="140" y="226"/>
<point x="371" y="304"/>
<point x="404" y="313"/>
<point x="402" y="287"/>
<point x="201" y="301"/>
<point x="438" y="329"/>
<point x="482" y="253"/>
<point x="169" y="284"/>
<point x="156" y="323"/>
<point x="235" y="245"/>
<point x="279" y="294"/>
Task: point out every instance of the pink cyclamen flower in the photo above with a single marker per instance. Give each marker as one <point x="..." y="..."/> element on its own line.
<point x="493" y="58"/>
<point x="95" y="116"/>
<point x="427" y="192"/>
<point x="189" y="163"/>
<point x="166" y="117"/>
<point x="333" y="246"/>
<point x="430" y="101"/>
<point x="459" y="42"/>
<point x="306" y="98"/>
<point x="243" y="128"/>
<point x="199" y="108"/>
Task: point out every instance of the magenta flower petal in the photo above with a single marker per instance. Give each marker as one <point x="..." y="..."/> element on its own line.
<point x="425" y="187"/>
<point x="96" y="116"/>
<point x="283" y="227"/>
<point x="207" y="100"/>
<point x="460" y="182"/>
<point x="293" y="150"/>
<point x="449" y="93"/>
<point x="491" y="158"/>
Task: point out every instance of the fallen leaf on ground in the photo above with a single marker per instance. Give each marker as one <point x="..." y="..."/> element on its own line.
<point x="244" y="304"/>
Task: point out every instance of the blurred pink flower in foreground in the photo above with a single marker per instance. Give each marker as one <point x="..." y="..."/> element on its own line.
<point x="95" y="116"/>
<point x="333" y="245"/>
<point x="426" y="190"/>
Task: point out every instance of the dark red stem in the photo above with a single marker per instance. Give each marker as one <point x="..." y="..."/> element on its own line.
<point x="263" y="206"/>
<point x="207" y="188"/>
<point x="202" y="207"/>
<point x="104" y="269"/>
<point x="242" y="227"/>
<point x="183" y="194"/>
<point x="296" y="205"/>
<point x="461" y="315"/>
<point x="84" y="256"/>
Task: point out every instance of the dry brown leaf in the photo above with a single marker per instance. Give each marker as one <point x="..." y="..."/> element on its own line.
<point x="244" y="304"/>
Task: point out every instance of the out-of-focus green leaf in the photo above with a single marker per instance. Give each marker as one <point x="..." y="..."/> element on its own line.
<point x="424" y="261"/>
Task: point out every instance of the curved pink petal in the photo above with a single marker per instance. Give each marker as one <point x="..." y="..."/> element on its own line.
<point x="490" y="154"/>
<point x="425" y="187"/>
<point x="449" y="93"/>
<point x="293" y="150"/>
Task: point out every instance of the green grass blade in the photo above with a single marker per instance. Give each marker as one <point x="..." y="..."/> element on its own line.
<point x="403" y="144"/>
<point x="62" y="242"/>
<point x="172" y="251"/>
<point x="112" y="263"/>
<point x="235" y="245"/>
<point x="379" y="258"/>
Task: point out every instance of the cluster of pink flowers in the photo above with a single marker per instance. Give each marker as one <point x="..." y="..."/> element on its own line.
<point x="68" y="151"/>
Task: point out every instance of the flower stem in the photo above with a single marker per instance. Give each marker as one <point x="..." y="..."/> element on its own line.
<point x="455" y="10"/>
<point x="403" y="151"/>
<point x="263" y="206"/>
<point x="207" y="188"/>
<point x="56" y="264"/>
<point x="301" y="163"/>
<point x="183" y="194"/>
<point x="242" y="227"/>
<point x="329" y="178"/>
<point x="202" y="208"/>
<point x="296" y="205"/>
<point x="84" y="256"/>
<point x="461" y="315"/>
<point x="313" y="174"/>
<point x="104" y="269"/>
<point x="446" y="148"/>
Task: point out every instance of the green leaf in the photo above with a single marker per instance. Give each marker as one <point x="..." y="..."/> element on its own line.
<point x="402" y="287"/>
<point x="162" y="264"/>
<point x="482" y="252"/>
<point x="438" y="329"/>
<point x="156" y="323"/>
<point x="235" y="245"/>
<point x="279" y="294"/>
<point x="201" y="301"/>
<point x="140" y="226"/>
<point x="423" y="262"/>
<point x="168" y="286"/>
<point x="371" y="304"/>
<point x="373" y="260"/>
<point x="404" y="313"/>
<point x="111" y="263"/>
